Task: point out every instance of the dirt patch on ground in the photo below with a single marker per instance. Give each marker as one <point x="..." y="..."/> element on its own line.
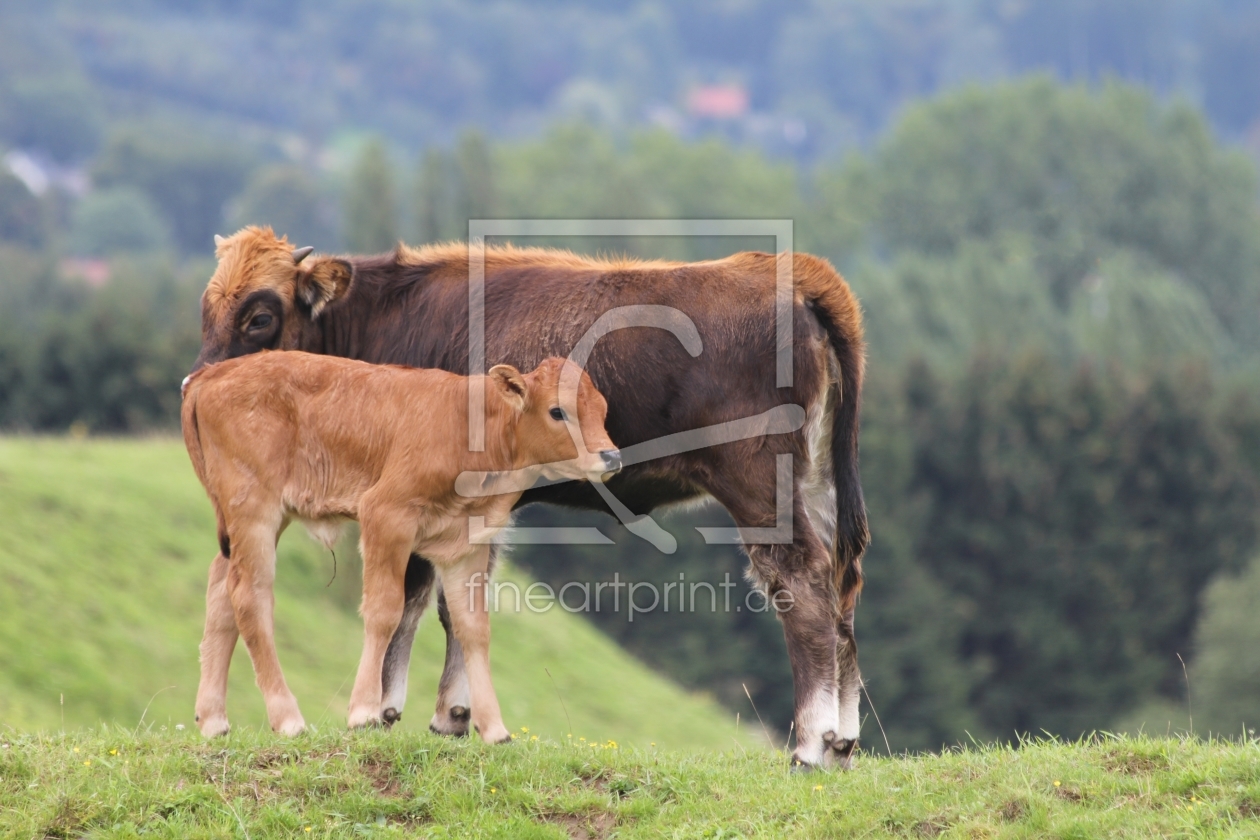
<point x="1014" y="811"/>
<point x="594" y="825"/>
<point x="384" y="780"/>
<point x="1135" y="763"/>
<point x="1249" y="809"/>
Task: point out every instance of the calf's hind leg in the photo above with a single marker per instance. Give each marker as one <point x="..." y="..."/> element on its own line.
<point x="216" y="652"/>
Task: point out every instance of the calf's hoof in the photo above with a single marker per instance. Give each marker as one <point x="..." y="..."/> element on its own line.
<point x="495" y="734"/>
<point x="453" y="723"/>
<point x="363" y="718"/>
<point x="291" y="727"/>
<point x="213" y="726"/>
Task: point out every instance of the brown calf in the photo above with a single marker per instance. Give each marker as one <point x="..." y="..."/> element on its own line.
<point x="281" y="436"/>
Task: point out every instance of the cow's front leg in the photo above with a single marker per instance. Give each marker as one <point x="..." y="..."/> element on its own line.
<point x="468" y="583"/>
<point x="417" y="588"/>
<point x="451" y="717"/>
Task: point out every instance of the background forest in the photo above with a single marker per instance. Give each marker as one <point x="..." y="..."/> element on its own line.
<point x="1060" y="274"/>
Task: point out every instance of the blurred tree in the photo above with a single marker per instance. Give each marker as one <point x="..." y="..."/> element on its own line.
<point x="1070" y="516"/>
<point x="189" y="179"/>
<point x="435" y="199"/>
<point x="453" y="188"/>
<point x="58" y="115"/>
<point x="117" y="220"/>
<point x="1078" y="174"/>
<point x="286" y="198"/>
<point x="23" y="217"/>
<point x="371" y="207"/>
<point x="1225" y="675"/>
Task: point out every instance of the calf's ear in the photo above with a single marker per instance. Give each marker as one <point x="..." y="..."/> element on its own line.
<point x="511" y="385"/>
<point x="322" y="281"/>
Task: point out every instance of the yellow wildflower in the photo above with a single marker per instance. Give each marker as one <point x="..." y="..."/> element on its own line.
<point x="1057" y="783"/>
<point x="817" y="787"/>
<point x="87" y="763"/>
<point x="113" y="752"/>
<point x="533" y="737"/>
<point x="494" y="790"/>
<point x="525" y="729"/>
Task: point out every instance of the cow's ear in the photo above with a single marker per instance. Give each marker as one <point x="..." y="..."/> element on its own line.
<point x="321" y="281"/>
<point x="510" y="384"/>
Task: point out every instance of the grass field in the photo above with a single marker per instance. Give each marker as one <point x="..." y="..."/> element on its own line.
<point x="114" y="783"/>
<point x="104" y="547"/>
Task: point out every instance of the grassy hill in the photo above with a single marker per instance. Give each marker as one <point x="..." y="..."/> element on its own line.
<point x="104" y="547"/>
<point x="113" y="783"/>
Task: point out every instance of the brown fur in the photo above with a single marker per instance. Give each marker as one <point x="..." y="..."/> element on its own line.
<point x="411" y="307"/>
<point x="281" y="436"/>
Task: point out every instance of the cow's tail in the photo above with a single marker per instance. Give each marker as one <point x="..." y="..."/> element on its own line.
<point x="838" y="311"/>
<point x="191" y="426"/>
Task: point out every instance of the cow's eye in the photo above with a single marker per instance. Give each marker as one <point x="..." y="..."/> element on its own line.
<point x="558" y="414"/>
<point x="259" y="322"/>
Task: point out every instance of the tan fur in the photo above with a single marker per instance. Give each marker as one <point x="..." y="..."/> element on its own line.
<point x="282" y="436"/>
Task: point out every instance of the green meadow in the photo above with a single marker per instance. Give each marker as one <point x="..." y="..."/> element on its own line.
<point x="114" y="782"/>
<point x="103" y="557"/>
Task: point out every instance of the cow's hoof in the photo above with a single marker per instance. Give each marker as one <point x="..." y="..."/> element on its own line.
<point x="391" y="716"/>
<point x="453" y="724"/>
<point x="839" y="751"/>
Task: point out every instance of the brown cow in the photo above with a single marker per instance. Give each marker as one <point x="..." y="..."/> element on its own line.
<point x="412" y="307"/>
<point x="282" y="436"/>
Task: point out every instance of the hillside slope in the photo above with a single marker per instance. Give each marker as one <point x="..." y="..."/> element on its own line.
<point x="104" y="547"/>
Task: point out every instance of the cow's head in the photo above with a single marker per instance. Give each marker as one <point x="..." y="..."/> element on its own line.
<point x="559" y="420"/>
<point x="262" y="294"/>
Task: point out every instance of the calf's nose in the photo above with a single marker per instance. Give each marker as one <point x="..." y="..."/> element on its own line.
<point x="612" y="459"/>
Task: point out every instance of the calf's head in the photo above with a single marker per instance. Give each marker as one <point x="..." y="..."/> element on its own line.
<point x="263" y="293"/>
<point x="558" y="417"/>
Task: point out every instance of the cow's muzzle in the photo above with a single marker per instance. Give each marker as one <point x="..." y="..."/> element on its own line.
<point x="612" y="460"/>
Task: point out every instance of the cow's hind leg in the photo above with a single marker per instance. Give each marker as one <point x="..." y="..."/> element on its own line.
<point x="250" y="584"/>
<point x="452" y="715"/>
<point x="418" y="584"/>
<point x="794" y="570"/>
<point x="216" y="652"/>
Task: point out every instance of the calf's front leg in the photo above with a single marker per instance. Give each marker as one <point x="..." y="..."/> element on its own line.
<point x="251" y="576"/>
<point x="465" y="584"/>
<point x="386" y="545"/>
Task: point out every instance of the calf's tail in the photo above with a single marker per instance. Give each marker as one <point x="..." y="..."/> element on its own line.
<point x="191" y="427"/>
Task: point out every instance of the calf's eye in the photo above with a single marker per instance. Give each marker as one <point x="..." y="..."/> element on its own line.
<point x="260" y="321"/>
<point x="558" y="414"/>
